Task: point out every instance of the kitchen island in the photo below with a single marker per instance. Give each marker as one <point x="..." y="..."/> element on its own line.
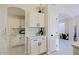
<point x="76" y="48"/>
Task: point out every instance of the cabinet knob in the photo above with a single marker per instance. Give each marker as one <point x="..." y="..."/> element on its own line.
<point x="51" y="34"/>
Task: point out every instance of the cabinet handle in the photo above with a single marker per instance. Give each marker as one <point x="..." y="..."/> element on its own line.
<point x="35" y="40"/>
<point x="39" y="43"/>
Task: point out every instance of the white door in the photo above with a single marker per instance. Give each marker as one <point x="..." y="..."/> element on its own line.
<point x="42" y="45"/>
<point x="53" y="41"/>
<point x="34" y="46"/>
<point x="53" y="38"/>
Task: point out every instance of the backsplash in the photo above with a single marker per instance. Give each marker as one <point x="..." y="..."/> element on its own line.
<point x="32" y="31"/>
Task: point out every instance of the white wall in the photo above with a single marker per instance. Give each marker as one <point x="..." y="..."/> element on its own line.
<point x="61" y="28"/>
<point x="76" y="23"/>
<point x="3" y="40"/>
<point x="52" y="28"/>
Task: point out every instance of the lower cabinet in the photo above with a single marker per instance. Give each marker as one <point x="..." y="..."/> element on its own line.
<point x="34" y="47"/>
<point x="37" y="46"/>
<point x="42" y="45"/>
<point x="75" y="50"/>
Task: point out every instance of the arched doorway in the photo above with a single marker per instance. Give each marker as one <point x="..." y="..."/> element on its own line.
<point x="16" y="30"/>
<point x="65" y="43"/>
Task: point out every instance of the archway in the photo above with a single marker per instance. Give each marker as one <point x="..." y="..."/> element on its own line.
<point x="16" y="30"/>
<point x="65" y="46"/>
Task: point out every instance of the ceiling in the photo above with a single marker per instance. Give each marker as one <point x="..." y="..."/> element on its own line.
<point x="70" y="10"/>
<point x="66" y="10"/>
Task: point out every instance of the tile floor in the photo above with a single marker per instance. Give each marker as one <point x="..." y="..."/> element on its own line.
<point x="65" y="48"/>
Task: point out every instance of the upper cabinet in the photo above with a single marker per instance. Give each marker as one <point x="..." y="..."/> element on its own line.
<point x="36" y="19"/>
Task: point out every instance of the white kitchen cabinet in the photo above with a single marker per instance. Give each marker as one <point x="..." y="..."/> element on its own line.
<point x="36" y="19"/>
<point x="34" y="47"/>
<point x="41" y="19"/>
<point x="33" y="19"/>
<point x="37" y="45"/>
<point x="42" y="45"/>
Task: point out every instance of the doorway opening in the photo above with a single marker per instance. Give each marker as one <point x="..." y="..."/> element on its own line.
<point x="65" y="43"/>
<point x="16" y="30"/>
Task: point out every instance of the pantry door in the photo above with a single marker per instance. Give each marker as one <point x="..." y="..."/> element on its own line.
<point x="53" y="41"/>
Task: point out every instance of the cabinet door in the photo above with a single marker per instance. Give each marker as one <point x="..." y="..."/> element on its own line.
<point x="33" y="19"/>
<point x="42" y="45"/>
<point x="34" y="47"/>
<point x="13" y="22"/>
<point x="41" y="19"/>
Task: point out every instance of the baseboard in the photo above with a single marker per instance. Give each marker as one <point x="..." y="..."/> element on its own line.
<point x="51" y="52"/>
<point x="44" y="53"/>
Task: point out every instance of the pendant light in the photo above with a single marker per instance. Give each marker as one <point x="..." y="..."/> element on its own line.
<point x="40" y="9"/>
